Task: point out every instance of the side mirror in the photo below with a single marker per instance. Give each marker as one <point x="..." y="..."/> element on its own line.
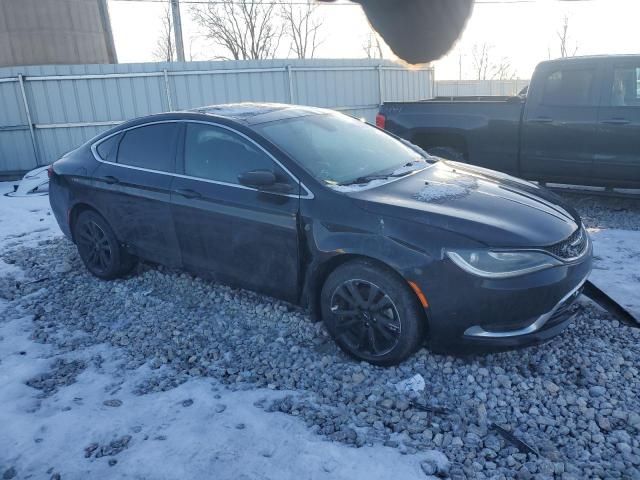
<point x="257" y="179"/>
<point x="265" y="181"/>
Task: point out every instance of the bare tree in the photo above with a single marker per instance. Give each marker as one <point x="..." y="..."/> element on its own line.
<point x="301" y="27"/>
<point x="165" y="49"/>
<point x="480" y="58"/>
<point x="372" y="46"/>
<point x="503" y="70"/>
<point x="245" y="29"/>
<point x="563" y="36"/>
<point x="488" y="69"/>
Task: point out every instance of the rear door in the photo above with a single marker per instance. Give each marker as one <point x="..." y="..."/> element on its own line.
<point x="133" y="190"/>
<point x="560" y="123"/>
<point x="243" y="235"/>
<point x="617" y="161"/>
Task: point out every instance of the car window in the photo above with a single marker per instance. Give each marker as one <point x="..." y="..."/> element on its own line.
<point x="151" y="146"/>
<point x="570" y="87"/>
<point x="216" y="153"/>
<point x="625" y="91"/>
<point x="108" y="149"/>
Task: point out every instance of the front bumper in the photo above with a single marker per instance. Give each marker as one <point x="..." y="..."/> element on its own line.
<point x="468" y="313"/>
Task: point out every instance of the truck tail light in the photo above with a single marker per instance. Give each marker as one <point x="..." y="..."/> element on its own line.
<point x="381" y="121"/>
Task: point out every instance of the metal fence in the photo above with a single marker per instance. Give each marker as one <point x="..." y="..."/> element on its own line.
<point x="46" y="111"/>
<point x="472" y="88"/>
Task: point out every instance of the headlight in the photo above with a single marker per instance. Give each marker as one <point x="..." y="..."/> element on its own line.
<point x="489" y="264"/>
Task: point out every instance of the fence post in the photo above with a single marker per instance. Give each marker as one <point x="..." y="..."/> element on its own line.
<point x="29" y="121"/>
<point x="167" y="89"/>
<point x="290" y="80"/>
<point x="434" y="85"/>
<point x="380" y="85"/>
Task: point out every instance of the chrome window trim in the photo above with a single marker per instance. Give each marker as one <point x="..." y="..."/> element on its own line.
<point x="308" y="194"/>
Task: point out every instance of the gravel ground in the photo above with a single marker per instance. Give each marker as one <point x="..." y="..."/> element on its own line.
<point x="604" y="212"/>
<point x="576" y="400"/>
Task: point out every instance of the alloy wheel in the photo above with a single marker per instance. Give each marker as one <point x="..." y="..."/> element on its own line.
<point x="366" y="319"/>
<point x="94" y="246"/>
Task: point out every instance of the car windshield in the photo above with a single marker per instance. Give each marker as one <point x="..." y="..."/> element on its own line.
<point x="340" y="150"/>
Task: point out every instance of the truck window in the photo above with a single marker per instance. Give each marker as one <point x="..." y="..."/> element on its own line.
<point x="570" y="87"/>
<point x="625" y="91"/>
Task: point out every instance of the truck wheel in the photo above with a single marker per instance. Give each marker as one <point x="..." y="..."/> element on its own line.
<point x="448" y="153"/>
<point x="371" y="313"/>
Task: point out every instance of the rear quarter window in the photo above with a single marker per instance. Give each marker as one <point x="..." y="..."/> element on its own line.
<point x="152" y="147"/>
<point x="108" y="149"/>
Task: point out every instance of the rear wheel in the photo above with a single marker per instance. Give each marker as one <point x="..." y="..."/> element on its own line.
<point x="99" y="248"/>
<point x="371" y="313"/>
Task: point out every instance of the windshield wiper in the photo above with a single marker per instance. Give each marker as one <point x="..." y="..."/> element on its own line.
<point x="365" y="179"/>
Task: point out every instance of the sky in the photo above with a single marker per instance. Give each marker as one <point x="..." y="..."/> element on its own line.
<point x="522" y="32"/>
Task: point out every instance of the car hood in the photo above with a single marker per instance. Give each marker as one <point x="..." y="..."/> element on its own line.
<point x="488" y="206"/>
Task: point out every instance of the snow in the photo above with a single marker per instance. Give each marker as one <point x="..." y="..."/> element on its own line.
<point x="24" y="220"/>
<point x="41" y="436"/>
<point x="615" y="267"/>
<point x="439" y="191"/>
<point x="168" y="439"/>
<point x="413" y="384"/>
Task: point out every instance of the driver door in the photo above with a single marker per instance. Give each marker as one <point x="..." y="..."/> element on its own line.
<point x="243" y="235"/>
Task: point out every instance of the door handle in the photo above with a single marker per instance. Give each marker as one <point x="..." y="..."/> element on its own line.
<point x="541" y="120"/>
<point x="616" y="121"/>
<point x="110" y="179"/>
<point x="187" y="193"/>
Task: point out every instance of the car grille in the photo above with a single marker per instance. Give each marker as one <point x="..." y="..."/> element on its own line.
<point x="571" y="248"/>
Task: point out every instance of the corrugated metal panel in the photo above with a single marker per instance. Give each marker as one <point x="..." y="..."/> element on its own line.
<point x="464" y="88"/>
<point x="69" y="104"/>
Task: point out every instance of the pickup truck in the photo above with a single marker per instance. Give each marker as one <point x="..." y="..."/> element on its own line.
<point x="577" y="123"/>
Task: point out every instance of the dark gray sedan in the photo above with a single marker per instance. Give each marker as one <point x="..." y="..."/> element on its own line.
<point x="389" y="246"/>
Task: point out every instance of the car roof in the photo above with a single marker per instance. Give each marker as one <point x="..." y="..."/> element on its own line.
<point x="250" y="113"/>
<point x="589" y="58"/>
<point x="247" y="113"/>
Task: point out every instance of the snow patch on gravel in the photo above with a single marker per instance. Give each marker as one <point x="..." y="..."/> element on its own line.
<point x="616" y="266"/>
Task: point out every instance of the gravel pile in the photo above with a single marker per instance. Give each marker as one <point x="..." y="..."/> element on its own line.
<point x="575" y="400"/>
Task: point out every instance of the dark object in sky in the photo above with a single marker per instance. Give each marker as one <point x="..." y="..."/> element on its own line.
<point x="388" y="245"/>
<point x="579" y="124"/>
<point x="418" y="31"/>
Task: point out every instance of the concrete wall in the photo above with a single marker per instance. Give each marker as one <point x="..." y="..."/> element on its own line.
<point x="46" y="32"/>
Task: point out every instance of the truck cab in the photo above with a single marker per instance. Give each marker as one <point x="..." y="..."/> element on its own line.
<point x="578" y="124"/>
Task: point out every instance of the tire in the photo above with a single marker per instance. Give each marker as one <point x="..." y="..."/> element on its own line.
<point x="99" y="249"/>
<point x="448" y="153"/>
<point x="382" y="330"/>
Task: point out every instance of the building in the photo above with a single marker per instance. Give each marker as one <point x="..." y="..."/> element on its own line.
<point x="46" y="32"/>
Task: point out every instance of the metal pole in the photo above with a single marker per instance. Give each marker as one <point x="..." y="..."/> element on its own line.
<point x="103" y="11"/>
<point x="167" y="89"/>
<point x="177" y="29"/>
<point x="29" y="121"/>
<point x="380" y="85"/>
<point x="290" y="78"/>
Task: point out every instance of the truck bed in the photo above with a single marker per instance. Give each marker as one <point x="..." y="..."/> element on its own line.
<point x="488" y="128"/>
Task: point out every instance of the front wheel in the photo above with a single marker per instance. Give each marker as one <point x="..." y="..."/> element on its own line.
<point x="99" y="248"/>
<point x="371" y="313"/>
